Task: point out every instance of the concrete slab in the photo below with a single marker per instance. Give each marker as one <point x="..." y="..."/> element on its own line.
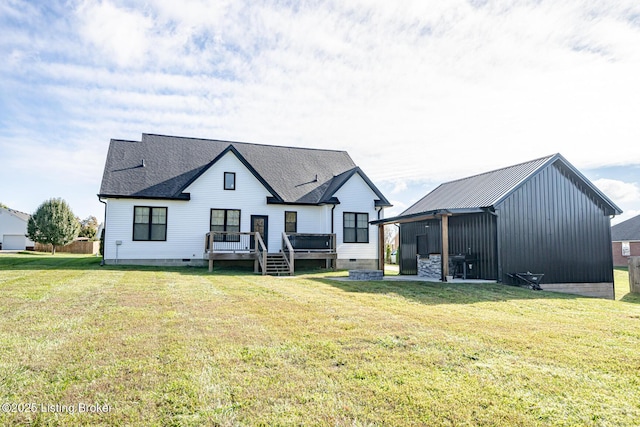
<point x="398" y="278"/>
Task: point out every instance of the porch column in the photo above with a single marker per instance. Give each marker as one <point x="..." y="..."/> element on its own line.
<point x="381" y="247"/>
<point x="444" y="234"/>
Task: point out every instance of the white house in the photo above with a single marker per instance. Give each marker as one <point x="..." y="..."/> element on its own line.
<point x="186" y="201"/>
<point x="13" y="227"/>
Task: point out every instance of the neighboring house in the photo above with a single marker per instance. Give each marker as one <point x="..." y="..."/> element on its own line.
<point x="625" y="241"/>
<point x="542" y="216"/>
<point x="185" y="201"/>
<point x="13" y="228"/>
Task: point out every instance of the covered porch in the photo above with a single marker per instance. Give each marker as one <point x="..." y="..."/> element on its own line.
<point x="445" y="244"/>
<point x="230" y="246"/>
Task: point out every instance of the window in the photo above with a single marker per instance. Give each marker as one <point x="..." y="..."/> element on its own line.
<point x="290" y="222"/>
<point x="229" y="180"/>
<point x="149" y="223"/>
<point x="226" y="220"/>
<point x="356" y="227"/>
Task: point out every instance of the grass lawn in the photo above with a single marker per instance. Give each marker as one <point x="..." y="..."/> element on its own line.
<point x="173" y="347"/>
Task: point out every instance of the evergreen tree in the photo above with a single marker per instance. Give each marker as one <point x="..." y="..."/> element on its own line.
<point x="53" y="223"/>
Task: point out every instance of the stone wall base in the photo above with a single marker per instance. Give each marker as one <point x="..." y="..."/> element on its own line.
<point x="366" y="275"/>
<point x="430" y="266"/>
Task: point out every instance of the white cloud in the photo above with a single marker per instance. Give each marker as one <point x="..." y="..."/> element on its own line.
<point x="619" y="191"/>
<point x="416" y="92"/>
<point x="397" y="208"/>
<point x="624" y="194"/>
<point x="120" y="35"/>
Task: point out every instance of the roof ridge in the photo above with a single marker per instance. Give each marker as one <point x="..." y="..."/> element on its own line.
<point x="245" y="143"/>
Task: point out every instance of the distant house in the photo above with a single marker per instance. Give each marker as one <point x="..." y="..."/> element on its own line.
<point x="187" y="201"/>
<point x="625" y="241"/>
<point x="13" y="228"/>
<point x="542" y="216"/>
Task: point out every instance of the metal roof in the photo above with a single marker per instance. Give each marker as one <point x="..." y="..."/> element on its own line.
<point x="162" y="167"/>
<point x="626" y="230"/>
<point x="488" y="189"/>
<point x="477" y="191"/>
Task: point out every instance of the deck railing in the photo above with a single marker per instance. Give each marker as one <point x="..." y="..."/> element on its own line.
<point x="243" y="243"/>
<point x="229" y="241"/>
<point x="289" y="254"/>
<point x="309" y="242"/>
<point x="261" y="252"/>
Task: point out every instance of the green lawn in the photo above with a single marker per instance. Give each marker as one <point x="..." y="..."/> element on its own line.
<point x="172" y="347"/>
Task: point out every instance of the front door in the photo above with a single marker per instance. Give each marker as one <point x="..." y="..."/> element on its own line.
<point x="260" y="223"/>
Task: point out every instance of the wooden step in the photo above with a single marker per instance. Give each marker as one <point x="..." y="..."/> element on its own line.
<point x="277" y="265"/>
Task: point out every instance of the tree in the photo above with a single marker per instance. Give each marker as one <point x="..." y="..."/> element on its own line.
<point x="2" y="205"/>
<point x="390" y="232"/>
<point x="88" y="227"/>
<point x="53" y="223"/>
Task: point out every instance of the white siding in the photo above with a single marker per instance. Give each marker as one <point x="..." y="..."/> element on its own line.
<point x="12" y="225"/>
<point x="188" y="221"/>
<point x="356" y="196"/>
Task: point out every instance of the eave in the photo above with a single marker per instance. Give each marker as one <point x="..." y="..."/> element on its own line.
<point x="421" y="216"/>
<point x="179" y="197"/>
<point x="275" y="201"/>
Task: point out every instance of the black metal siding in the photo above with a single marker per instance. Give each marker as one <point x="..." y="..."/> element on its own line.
<point x="550" y="225"/>
<point x="409" y="233"/>
<point x="470" y="233"/>
<point x="476" y="234"/>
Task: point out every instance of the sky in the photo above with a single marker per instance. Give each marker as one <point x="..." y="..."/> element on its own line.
<point x="418" y="92"/>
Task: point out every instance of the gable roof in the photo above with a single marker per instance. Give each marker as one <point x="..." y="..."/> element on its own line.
<point x="626" y="230"/>
<point x="21" y="215"/>
<point x="162" y="167"/>
<point x="477" y="191"/>
<point x="486" y="190"/>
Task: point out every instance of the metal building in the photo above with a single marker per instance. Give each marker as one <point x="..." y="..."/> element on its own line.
<point x="542" y="216"/>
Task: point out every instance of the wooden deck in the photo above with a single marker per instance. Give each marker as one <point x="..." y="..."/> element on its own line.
<point x="233" y="246"/>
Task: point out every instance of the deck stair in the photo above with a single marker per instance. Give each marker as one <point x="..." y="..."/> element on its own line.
<point x="277" y="265"/>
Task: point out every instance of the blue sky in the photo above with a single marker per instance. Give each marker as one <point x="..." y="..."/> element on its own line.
<point x="417" y="92"/>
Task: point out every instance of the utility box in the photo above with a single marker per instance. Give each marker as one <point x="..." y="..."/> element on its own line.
<point x="634" y="274"/>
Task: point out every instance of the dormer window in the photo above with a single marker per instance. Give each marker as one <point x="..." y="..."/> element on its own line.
<point x="229" y="180"/>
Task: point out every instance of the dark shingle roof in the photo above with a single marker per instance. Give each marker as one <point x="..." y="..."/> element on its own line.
<point x="490" y="188"/>
<point x="293" y="175"/>
<point x="626" y="230"/>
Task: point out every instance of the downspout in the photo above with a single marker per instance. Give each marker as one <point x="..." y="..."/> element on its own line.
<point x="380" y="243"/>
<point x="332" y="209"/>
<point x="398" y="258"/>
<point x="335" y="239"/>
<point x="104" y="229"/>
